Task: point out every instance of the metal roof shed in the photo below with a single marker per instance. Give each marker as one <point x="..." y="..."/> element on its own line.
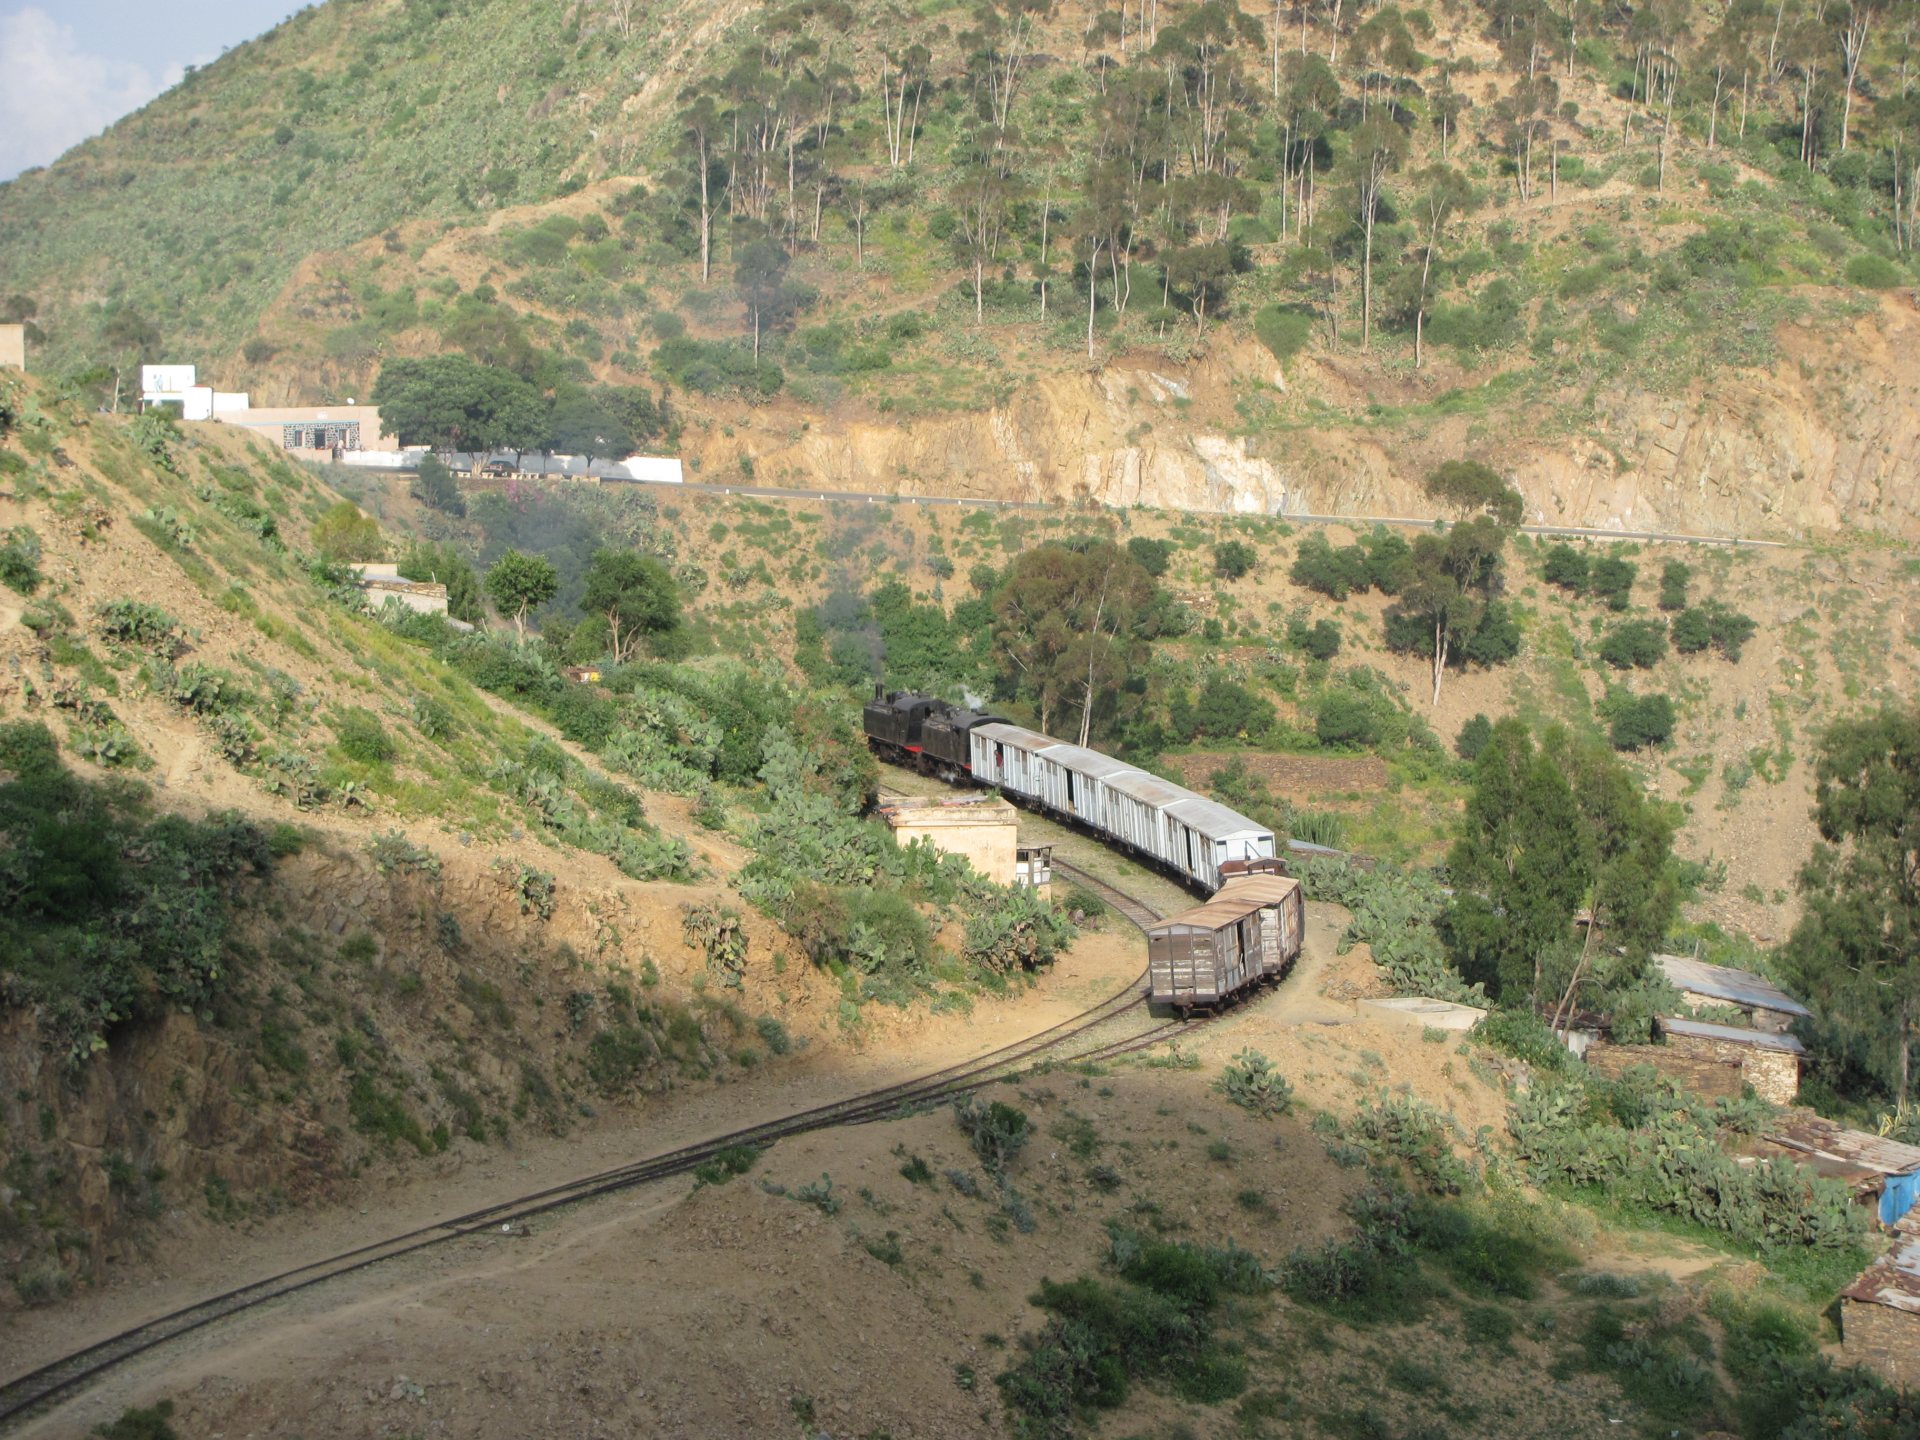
<point x="1880" y="1315"/>
<point x="1887" y="1171"/>
<point x="1727" y="985"/>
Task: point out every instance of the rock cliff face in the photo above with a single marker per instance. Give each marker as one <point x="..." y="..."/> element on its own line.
<point x="1827" y="439"/>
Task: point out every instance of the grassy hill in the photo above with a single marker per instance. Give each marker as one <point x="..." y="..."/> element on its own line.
<point x="522" y="183"/>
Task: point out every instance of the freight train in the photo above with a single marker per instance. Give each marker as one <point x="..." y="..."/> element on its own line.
<point x="1202" y="957"/>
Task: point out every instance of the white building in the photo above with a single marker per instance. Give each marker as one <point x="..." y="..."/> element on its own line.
<point x="179" y="385"/>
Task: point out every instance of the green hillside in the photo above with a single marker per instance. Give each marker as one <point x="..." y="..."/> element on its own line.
<point x="901" y="208"/>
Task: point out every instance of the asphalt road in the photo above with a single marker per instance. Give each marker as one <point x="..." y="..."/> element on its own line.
<point x="1660" y="537"/>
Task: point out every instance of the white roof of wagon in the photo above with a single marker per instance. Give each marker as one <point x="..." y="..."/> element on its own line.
<point x="1089" y="762"/>
<point x="1014" y="735"/>
<point x="1216" y="822"/>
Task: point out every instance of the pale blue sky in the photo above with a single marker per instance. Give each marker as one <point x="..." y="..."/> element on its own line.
<point x="73" y="67"/>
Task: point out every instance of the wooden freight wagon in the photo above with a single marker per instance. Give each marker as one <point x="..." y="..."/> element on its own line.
<point x="1204" y="956"/>
<point x="1283" y="917"/>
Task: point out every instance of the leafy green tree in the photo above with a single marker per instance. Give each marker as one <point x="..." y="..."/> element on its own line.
<point x="434" y="486"/>
<point x="1233" y="558"/>
<point x="1711" y="624"/>
<point x="1450" y="580"/>
<point x="635" y="594"/>
<point x="450" y="402"/>
<point x="517" y="583"/>
<point x="1318" y="641"/>
<point x="1549" y="830"/>
<point x="1068" y="626"/>
<point x="1224" y="710"/>
<point x="1856" y="951"/>
<point x="1345" y="720"/>
<point x="1518" y="866"/>
<point x="760" y="272"/>
<point x="344" y="534"/>
<point x="1472" y="488"/>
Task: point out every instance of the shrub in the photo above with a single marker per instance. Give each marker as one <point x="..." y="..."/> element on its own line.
<point x="1019" y="931"/>
<point x="1317" y="566"/>
<point x="1473" y="738"/>
<point x="132" y="622"/>
<point x="1636" y="644"/>
<point x="997" y="1131"/>
<point x="1252" y="1083"/>
<point x="1875" y="272"/>
<point x="1674" y="576"/>
<point x="1568" y="568"/>
<point x="1345" y="720"/>
<point x="1641" y="721"/>
<point x="151" y="1423"/>
<point x="1153" y="556"/>
<point x="1233" y="558"/>
<point x="20" y="560"/>
<point x="728" y="1162"/>
<point x="1712" y="624"/>
<point x="1319" y="641"/>
<point x="1611" y="580"/>
<point x="362" y="737"/>
<point x="1283" y="329"/>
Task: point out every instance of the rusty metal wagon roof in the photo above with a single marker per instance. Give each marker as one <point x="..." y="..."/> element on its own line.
<point x="1732" y="1034"/>
<point x="1892" y="1280"/>
<point x="1843" y="1148"/>
<point x="1722" y="982"/>
<point x="1258" y="889"/>
<point x="1215" y="914"/>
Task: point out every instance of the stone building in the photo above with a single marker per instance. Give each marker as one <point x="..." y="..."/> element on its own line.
<point x="1712" y="1060"/>
<point x="984" y="829"/>
<point x="1880" y="1314"/>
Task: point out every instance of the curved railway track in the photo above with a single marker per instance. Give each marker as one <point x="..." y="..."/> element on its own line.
<point x="1084" y="1038"/>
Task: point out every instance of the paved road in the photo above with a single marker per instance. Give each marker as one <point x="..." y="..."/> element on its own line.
<point x="1660" y="537"/>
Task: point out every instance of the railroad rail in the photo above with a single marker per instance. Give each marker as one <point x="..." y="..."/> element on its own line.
<point x="1076" y="1040"/>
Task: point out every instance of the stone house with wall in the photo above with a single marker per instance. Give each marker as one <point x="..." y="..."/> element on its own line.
<point x="1711" y="1060"/>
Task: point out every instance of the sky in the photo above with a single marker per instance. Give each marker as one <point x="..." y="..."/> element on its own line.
<point x="70" y="68"/>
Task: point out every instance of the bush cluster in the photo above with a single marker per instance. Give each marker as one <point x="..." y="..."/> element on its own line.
<point x="1378" y="562"/>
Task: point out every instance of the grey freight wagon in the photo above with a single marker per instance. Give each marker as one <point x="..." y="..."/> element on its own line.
<point x="1283" y="917"/>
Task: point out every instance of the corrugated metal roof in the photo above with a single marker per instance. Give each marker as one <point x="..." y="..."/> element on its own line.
<point x="1220" y="911"/>
<point x="1149" y="789"/>
<point x="1759" y="1039"/>
<point x="1893" y="1279"/>
<point x="1722" y="982"/>
<point x="1015" y="735"/>
<point x="1259" y="889"/>
<point x="1825" y="1139"/>
<point x="1089" y="762"/>
<point x="1216" y="822"/>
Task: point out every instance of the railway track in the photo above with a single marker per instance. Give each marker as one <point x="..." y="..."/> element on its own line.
<point x="1083" y="1039"/>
